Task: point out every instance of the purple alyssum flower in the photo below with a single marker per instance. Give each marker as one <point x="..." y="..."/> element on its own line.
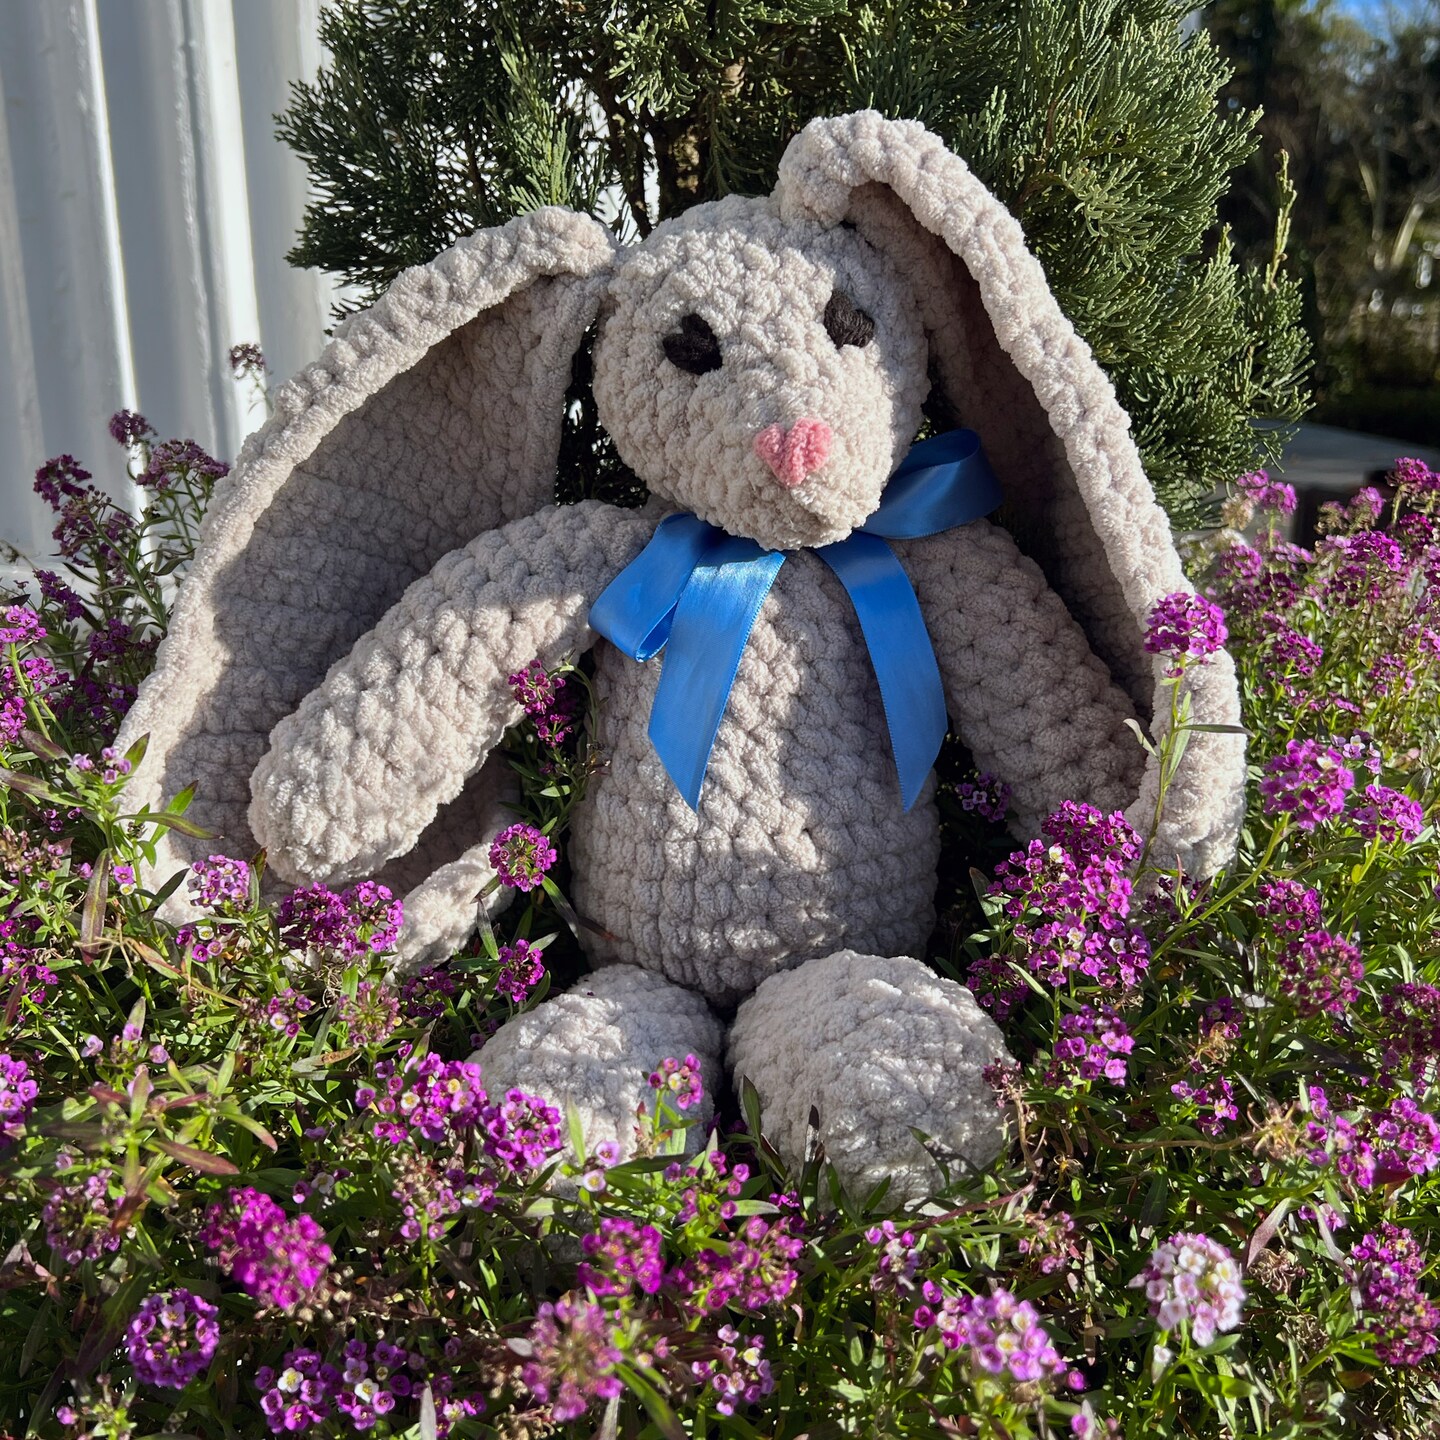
<point x="521" y="969"/>
<point x="171" y="1338"/>
<point x="299" y="1394"/>
<point x="1267" y="494"/>
<point x="1186" y="627"/>
<point x="129" y="428"/>
<point x="1001" y="1335"/>
<point x="1389" y="816"/>
<point x="1093" y="1045"/>
<point x="1192" y="1279"/>
<point x="18" y="1090"/>
<point x="77" y="1218"/>
<point x="739" y="1374"/>
<point x="679" y="1080"/>
<point x="520" y="856"/>
<point x="280" y="1260"/>
<point x="1401" y="1320"/>
<point x="1321" y="973"/>
<point x="620" y="1255"/>
<point x="219" y="883"/>
<point x="572" y="1357"/>
<point x="363" y="920"/>
<point x="1308" y="782"/>
<point x="899" y="1258"/>
<point x="986" y="795"/>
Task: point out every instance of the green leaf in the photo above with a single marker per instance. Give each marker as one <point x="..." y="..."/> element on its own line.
<point x="35" y="789"/>
<point x="92" y="911"/>
<point x="201" y="1161"/>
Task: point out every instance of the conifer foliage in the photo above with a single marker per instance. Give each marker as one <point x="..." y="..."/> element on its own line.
<point x="1095" y="121"/>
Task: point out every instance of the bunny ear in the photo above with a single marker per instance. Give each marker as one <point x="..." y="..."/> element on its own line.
<point x="1011" y="367"/>
<point x="430" y="417"/>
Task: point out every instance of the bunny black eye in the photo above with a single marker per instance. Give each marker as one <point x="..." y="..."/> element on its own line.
<point x="846" y="323"/>
<point x="693" y="347"/>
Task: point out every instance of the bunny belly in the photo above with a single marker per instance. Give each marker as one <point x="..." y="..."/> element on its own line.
<point x="801" y="845"/>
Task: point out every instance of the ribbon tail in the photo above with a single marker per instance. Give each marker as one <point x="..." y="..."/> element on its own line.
<point x="708" y="635"/>
<point x="901" y="653"/>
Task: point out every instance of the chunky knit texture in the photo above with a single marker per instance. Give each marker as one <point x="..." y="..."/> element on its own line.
<point x="762" y="363"/>
<point x="596" y="1045"/>
<point x="884" y="1045"/>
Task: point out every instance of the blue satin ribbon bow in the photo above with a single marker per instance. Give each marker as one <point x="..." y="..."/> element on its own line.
<point x="695" y="591"/>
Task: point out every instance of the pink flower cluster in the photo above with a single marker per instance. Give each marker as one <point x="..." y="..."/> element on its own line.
<point x="549" y="701"/>
<point x="1388" y="816"/>
<point x="1416" y="476"/>
<point x="985" y="795"/>
<point x="521" y="970"/>
<point x="171" y="1338"/>
<point x="300" y="1394"/>
<point x="520" y="856"/>
<point x="280" y="1261"/>
<point x="1049" y="1240"/>
<point x="621" y="1255"/>
<point x="1267" y="494"/>
<point x="1321" y="973"/>
<point x="363" y="920"/>
<point x="1187" y="627"/>
<point x="1214" y="1102"/>
<point x="1070" y="901"/>
<point x="899" y="1258"/>
<point x="572" y="1357"/>
<point x="1383" y="1147"/>
<point x="739" y="1374"/>
<point x="680" y="1081"/>
<point x="306" y="1391"/>
<point x="757" y="1269"/>
<point x="1093" y="1045"/>
<point x="1191" y="1279"/>
<point x="17" y="1098"/>
<point x="1411" y="1030"/>
<point x="1401" y="1320"/>
<point x="423" y="994"/>
<point x="220" y="884"/>
<point x="435" y="1098"/>
<point x="285" y="1012"/>
<point x="1309" y="782"/>
<point x="443" y="1100"/>
<point x="77" y="1219"/>
<point x="1002" y="1335"/>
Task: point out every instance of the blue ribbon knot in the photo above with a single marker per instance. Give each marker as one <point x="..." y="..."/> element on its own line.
<point x="695" y="592"/>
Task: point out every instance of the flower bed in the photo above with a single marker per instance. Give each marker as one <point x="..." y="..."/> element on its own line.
<point x="252" y="1183"/>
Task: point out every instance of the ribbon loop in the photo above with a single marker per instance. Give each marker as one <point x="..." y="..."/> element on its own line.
<point x="695" y="592"/>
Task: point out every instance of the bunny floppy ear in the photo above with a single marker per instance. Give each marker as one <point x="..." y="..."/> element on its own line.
<point x="430" y="417"/>
<point x="1011" y="367"/>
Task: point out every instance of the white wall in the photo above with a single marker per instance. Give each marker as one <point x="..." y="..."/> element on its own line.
<point x="145" y="212"/>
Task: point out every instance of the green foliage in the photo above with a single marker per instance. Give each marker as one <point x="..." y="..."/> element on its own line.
<point x="1352" y="98"/>
<point x="1243" y="1090"/>
<point x="1094" y="120"/>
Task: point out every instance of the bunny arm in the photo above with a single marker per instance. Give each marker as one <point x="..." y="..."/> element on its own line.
<point x="1026" y="693"/>
<point x="366" y="760"/>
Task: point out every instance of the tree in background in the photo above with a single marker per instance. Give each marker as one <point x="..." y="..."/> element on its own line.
<point x="1357" y="112"/>
<point x="1095" y="121"/>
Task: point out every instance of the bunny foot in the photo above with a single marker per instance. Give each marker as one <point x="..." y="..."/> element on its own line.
<point x="594" y="1047"/>
<point x="877" y="1046"/>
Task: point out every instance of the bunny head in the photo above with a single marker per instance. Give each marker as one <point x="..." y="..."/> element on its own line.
<point x="761" y="362"/>
<point x="765" y="374"/>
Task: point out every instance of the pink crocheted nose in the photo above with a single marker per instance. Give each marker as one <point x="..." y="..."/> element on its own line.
<point x="792" y="454"/>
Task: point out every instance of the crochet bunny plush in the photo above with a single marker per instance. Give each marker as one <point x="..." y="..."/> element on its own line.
<point x="387" y="551"/>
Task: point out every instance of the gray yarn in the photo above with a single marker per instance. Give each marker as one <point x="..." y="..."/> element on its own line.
<point x="432" y="422"/>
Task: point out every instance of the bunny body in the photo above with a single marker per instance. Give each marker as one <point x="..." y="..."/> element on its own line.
<point x="760" y="364"/>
